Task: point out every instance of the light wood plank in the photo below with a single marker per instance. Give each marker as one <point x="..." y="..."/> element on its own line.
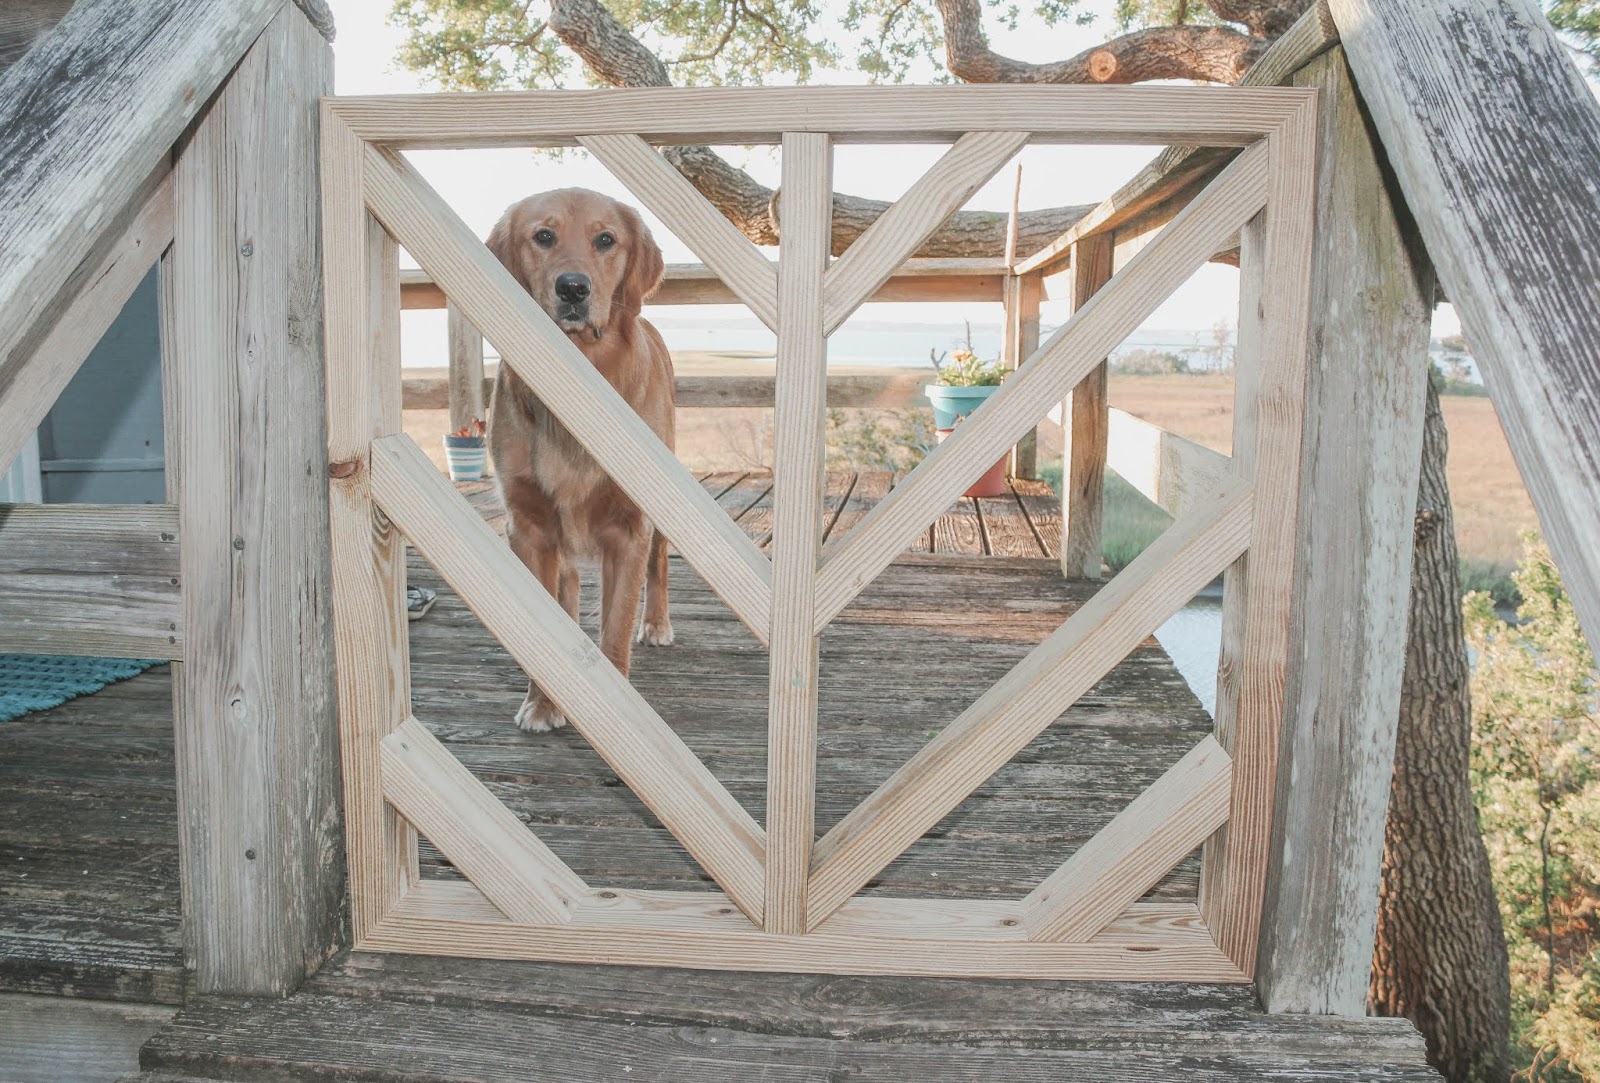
<point x="633" y="456"/>
<point x="49" y="1039"/>
<point x="91" y="579"/>
<point x="362" y="341"/>
<point x="1172" y="472"/>
<point x="1135" y="850"/>
<point x="1213" y="116"/>
<point x="1083" y="478"/>
<point x="480" y="836"/>
<point x="468" y="390"/>
<point x="34" y="382"/>
<point x="1060" y="364"/>
<point x="442" y="918"/>
<point x="1016" y="708"/>
<point x="1372" y="294"/>
<point x="1477" y="103"/>
<point x="1260" y="659"/>
<point x="87" y="120"/>
<point x="1023" y="297"/>
<point x="692" y="219"/>
<point x="257" y="741"/>
<point x="797" y="482"/>
<point x="646" y="754"/>
<point x="868" y="263"/>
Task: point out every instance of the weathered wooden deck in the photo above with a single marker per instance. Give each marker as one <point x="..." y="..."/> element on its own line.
<point x="89" y="877"/>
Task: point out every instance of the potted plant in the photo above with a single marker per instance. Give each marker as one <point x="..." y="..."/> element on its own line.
<point x="964" y="383"/>
<point x="465" y="453"/>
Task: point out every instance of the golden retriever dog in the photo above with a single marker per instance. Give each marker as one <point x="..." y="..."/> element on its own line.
<point x="590" y="263"/>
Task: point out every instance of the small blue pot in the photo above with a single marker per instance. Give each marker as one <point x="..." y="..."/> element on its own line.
<point x="466" y="457"/>
<point x="951" y="404"/>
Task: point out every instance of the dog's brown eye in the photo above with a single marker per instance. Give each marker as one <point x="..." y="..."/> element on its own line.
<point x="604" y="241"/>
<point x="544" y="238"/>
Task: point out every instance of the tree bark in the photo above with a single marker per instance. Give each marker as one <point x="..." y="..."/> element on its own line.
<point x="1441" y="950"/>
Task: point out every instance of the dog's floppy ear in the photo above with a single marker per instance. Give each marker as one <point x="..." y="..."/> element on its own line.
<point x="500" y="242"/>
<point x="645" y="266"/>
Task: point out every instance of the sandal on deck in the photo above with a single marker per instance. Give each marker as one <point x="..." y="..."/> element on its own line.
<point x="418" y="601"/>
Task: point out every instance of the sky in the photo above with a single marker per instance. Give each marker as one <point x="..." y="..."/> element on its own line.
<point x="480" y="184"/>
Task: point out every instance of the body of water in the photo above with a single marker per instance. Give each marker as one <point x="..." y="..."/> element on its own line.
<point x="1193" y="638"/>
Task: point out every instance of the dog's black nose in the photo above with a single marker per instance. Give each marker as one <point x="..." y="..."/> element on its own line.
<point x="572" y="287"/>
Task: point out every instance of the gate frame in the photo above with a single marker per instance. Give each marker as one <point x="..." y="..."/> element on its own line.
<point x="789" y="901"/>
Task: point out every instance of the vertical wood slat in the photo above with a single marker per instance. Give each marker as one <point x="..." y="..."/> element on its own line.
<point x="1372" y="300"/>
<point x="466" y="370"/>
<point x="361" y="271"/>
<point x="798" y="427"/>
<point x="1023" y="295"/>
<point x="1086" y="428"/>
<point x="1257" y="659"/>
<point x="255" y="741"/>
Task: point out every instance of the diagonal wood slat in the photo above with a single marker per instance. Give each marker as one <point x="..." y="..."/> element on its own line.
<point x="33" y="384"/>
<point x="644" y="751"/>
<point x="691" y="217"/>
<point x="481" y="837"/>
<point x="1131" y="854"/>
<point x="802" y="395"/>
<point x="899" y="231"/>
<point x="630" y="453"/>
<point x="1044" y="380"/>
<point x="1014" y="710"/>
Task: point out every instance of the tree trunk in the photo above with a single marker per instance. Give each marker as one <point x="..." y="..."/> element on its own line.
<point x="1441" y="950"/>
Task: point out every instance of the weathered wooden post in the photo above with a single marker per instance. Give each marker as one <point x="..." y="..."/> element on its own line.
<point x="466" y="371"/>
<point x="1023" y="293"/>
<point x="1372" y="295"/>
<point x="1085" y="425"/>
<point x="257" y="750"/>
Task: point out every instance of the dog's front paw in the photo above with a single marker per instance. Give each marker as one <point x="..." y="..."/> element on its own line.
<point x="540" y="716"/>
<point x="655" y="633"/>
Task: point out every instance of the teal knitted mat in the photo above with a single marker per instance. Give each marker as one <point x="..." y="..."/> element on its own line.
<point x="37" y="682"/>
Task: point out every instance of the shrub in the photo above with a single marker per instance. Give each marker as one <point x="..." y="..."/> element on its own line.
<point x="1536" y="773"/>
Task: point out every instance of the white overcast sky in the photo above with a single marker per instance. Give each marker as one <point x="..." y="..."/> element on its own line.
<point x="480" y="184"/>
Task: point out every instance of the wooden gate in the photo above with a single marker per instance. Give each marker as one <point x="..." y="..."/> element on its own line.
<point x="788" y="900"/>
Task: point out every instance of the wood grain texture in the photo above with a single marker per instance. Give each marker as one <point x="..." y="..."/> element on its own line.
<point x="646" y="754"/>
<point x="49" y="1039"/>
<point x="1259" y="655"/>
<point x="1476" y="103"/>
<point x="468" y="390"/>
<point x="33" y="382"/>
<point x="1086" y="426"/>
<point x="799" y="439"/>
<point x="87" y="119"/>
<point x="1060" y="364"/>
<point x="625" y="447"/>
<point x="1131" y="854"/>
<point x="872" y="258"/>
<point x="1145" y="201"/>
<point x="935" y="279"/>
<point x="362" y="342"/>
<point x="503" y="859"/>
<point x="438" y="919"/>
<point x="740" y="265"/>
<point x="257" y="743"/>
<point x="892" y="390"/>
<point x="88" y="579"/>
<point x="1012" y="711"/>
<point x="1213" y="116"/>
<point x="1023" y="297"/>
<point x="1372" y="294"/>
<point x="1172" y="471"/>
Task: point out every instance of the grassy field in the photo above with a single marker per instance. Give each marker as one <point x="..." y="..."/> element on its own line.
<point x="1491" y="506"/>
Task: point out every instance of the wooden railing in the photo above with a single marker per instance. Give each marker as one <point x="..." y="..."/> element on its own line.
<point x="787" y="899"/>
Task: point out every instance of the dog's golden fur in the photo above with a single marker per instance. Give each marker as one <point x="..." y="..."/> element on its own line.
<point x="560" y="506"/>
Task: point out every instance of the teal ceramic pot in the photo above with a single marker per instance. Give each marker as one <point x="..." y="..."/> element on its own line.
<point x="950" y="404"/>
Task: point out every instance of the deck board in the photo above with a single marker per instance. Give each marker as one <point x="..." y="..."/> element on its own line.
<point x="89" y="879"/>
